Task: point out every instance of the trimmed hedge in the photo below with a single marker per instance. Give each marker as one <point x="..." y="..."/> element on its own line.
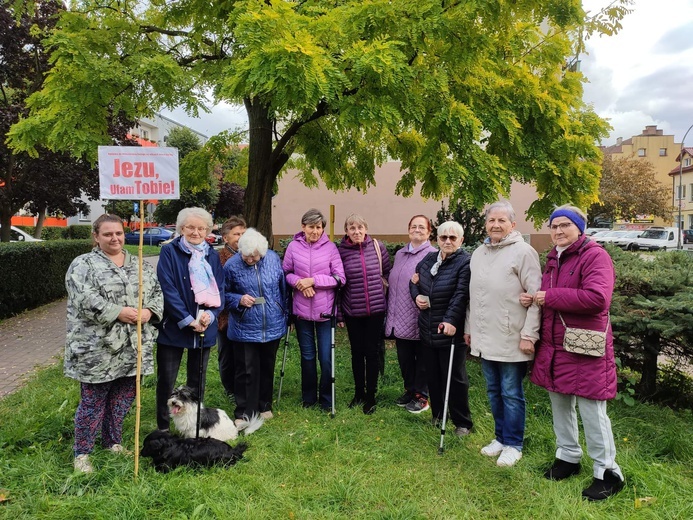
<point x="33" y="273"/>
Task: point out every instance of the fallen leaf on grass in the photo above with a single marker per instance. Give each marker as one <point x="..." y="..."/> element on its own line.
<point x="644" y="502"/>
<point x="4" y="497"/>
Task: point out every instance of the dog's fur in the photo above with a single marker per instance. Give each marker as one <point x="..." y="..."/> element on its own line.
<point x="169" y="451"/>
<point x="214" y="422"/>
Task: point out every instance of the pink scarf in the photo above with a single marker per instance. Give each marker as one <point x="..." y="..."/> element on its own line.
<point x="204" y="285"/>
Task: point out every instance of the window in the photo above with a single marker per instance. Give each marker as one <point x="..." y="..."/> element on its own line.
<point x="662" y="152"/>
<point x="681" y="192"/>
<point x="690" y="192"/>
<point x="687" y="161"/>
<point x="641" y="152"/>
<point x="145" y="135"/>
<point x="690" y="222"/>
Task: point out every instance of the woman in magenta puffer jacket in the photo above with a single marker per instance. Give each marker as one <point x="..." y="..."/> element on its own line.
<point x="577" y="286"/>
<point x="314" y="269"/>
<point x="402" y="316"/>
<point x="363" y="306"/>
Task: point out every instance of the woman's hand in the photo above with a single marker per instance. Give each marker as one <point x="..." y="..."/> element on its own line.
<point x="447" y="328"/>
<point x="247" y="300"/>
<point x="340" y="324"/>
<point x="305" y="283"/>
<point x="468" y="340"/>
<point x="415" y="278"/>
<point x="526" y="346"/>
<point x="308" y="292"/>
<point x="540" y="298"/>
<point x="526" y="299"/>
<point x="422" y="302"/>
<point x="129" y="315"/>
<point x="146" y="315"/>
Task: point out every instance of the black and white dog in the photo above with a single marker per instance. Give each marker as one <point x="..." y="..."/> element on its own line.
<point x="214" y="422"/>
<point x="168" y="451"/>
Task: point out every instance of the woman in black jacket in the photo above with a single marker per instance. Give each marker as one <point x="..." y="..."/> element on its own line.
<point x="440" y="289"/>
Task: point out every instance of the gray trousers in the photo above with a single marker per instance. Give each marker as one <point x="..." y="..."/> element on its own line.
<point x="598" y="435"/>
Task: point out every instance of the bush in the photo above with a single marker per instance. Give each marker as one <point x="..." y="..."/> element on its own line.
<point x="78" y="232"/>
<point x="53" y="233"/>
<point x="34" y="272"/>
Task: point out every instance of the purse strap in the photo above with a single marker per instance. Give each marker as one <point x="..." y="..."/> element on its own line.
<point x="608" y="319"/>
<point x="380" y="256"/>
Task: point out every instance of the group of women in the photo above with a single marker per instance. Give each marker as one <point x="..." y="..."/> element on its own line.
<point x="434" y="302"/>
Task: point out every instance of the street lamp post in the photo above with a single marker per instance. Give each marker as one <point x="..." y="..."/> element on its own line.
<point x="678" y="226"/>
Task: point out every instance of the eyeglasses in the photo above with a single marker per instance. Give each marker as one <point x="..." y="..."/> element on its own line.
<point x="192" y="229"/>
<point x="445" y="238"/>
<point x="562" y="226"/>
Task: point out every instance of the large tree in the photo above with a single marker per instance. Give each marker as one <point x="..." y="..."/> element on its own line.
<point x="629" y="188"/>
<point x="468" y="95"/>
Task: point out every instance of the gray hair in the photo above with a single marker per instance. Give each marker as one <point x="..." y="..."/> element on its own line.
<point x="355" y="218"/>
<point x="502" y="205"/>
<point x="186" y="213"/>
<point x="450" y="228"/>
<point x="313" y="216"/>
<point x="251" y="241"/>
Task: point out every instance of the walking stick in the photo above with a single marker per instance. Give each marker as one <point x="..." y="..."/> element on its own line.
<point x="281" y="372"/>
<point x="447" y="397"/>
<point x="333" y="329"/>
<point x="199" y="385"/>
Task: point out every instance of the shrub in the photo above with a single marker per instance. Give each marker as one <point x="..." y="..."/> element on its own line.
<point x="34" y="272"/>
<point x="53" y="233"/>
<point x="78" y="232"/>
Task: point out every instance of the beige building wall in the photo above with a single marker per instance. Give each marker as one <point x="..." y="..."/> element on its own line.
<point x="654" y="146"/>
<point x="387" y="214"/>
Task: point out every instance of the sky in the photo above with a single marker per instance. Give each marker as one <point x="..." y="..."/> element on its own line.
<point x="641" y="76"/>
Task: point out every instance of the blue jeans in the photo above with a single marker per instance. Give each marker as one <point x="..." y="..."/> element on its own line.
<point x="307" y="332"/>
<point x="507" y="399"/>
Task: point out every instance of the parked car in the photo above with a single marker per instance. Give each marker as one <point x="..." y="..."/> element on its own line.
<point x="592" y="230"/>
<point x="153" y="236"/>
<point x="687" y="236"/>
<point x="658" y="239"/>
<point x="608" y="237"/>
<point x="627" y="241"/>
<point x="17" y="235"/>
<point x="214" y="238"/>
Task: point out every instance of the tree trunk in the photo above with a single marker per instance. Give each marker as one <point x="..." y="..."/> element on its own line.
<point x="40" y="222"/>
<point x="648" y="381"/>
<point x="264" y="165"/>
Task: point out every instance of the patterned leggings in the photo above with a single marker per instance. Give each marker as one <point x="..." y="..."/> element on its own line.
<point x="102" y="406"/>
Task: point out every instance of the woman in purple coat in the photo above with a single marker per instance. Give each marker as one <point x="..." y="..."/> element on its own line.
<point x="402" y="316"/>
<point x="576" y="288"/>
<point x="314" y="269"/>
<point x="363" y="306"/>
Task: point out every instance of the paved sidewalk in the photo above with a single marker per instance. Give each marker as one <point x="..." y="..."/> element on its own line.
<point x="32" y="340"/>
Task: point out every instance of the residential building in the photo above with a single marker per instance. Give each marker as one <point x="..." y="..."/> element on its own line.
<point x="682" y="187"/>
<point x="387" y="214"/>
<point x="656" y="147"/>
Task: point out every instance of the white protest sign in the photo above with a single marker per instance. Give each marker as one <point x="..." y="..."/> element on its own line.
<point x="134" y="172"/>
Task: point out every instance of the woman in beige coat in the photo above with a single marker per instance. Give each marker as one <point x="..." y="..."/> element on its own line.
<point x="500" y="329"/>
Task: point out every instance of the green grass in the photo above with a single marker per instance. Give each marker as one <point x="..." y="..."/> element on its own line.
<point x="304" y="465"/>
<point x="146" y="250"/>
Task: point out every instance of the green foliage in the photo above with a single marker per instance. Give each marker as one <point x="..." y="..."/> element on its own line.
<point x="34" y="272"/>
<point x="184" y="139"/>
<point x="469" y="95"/>
<point x="304" y="465"/>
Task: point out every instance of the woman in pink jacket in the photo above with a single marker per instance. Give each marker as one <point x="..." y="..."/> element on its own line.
<point x="577" y="286"/>
<point x="314" y="269"/>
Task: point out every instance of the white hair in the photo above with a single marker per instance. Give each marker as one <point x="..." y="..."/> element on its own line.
<point x="502" y="205"/>
<point x="252" y="241"/>
<point x="450" y="227"/>
<point x="187" y="213"/>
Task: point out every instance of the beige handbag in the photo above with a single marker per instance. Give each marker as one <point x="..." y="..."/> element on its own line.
<point x="386" y="285"/>
<point x="585" y="341"/>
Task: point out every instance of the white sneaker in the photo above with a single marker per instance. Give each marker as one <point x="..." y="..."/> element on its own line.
<point x="82" y="464"/>
<point x="118" y="448"/>
<point x="493" y="449"/>
<point x="509" y="456"/>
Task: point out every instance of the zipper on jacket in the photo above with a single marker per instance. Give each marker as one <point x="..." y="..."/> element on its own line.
<point x="259" y="289"/>
<point x="362" y="254"/>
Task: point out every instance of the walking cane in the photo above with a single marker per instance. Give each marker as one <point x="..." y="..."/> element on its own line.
<point x="199" y="385"/>
<point x="333" y="329"/>
<point x="281" y="372"/>
<point x="447" y="397"/>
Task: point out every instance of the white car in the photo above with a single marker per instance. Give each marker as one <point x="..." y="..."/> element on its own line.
<point x="608" y="237"/>
<point x="658" y="239"/>
<point x="17" y="235"/>
<point x="627" y="241"/>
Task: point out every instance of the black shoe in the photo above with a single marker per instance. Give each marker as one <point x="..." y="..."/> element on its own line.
<point x="404" y="399"/>
<point x="603" y="488"/>
<point x="369" y="406"/>
<point x="356" y="401"/>
<point x="562" y="470"/>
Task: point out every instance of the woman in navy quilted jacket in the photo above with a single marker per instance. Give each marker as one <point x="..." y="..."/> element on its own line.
<point x="314" y="269"/>
<point x="256" y="298"/>
<point x="363" y="306"/>
<point x="402" y="316"/>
